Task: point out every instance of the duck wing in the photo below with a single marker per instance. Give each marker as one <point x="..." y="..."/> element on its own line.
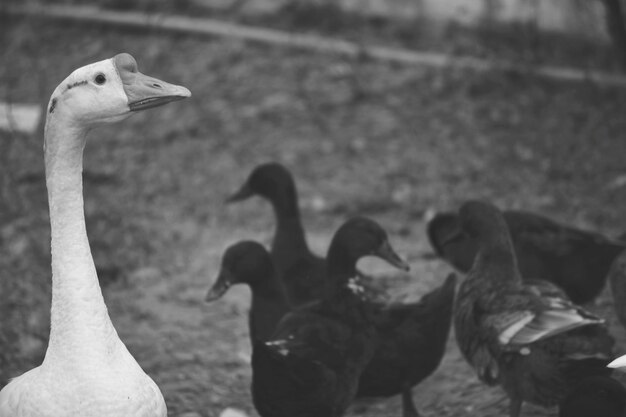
<point x="512" y="318"/>
<point x="317" y="338"/>
<point x="577" y="260"/>
<point x="525" y="314"/>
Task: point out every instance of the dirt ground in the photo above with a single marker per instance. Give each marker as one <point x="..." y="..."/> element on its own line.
<point x="390" y="142"/>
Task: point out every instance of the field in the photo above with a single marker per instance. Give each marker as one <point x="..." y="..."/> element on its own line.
<point x="386" y="141"/>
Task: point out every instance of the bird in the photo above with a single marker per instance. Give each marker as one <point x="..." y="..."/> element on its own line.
<point x="248" y="262"/>
<point x="413" y="335"/>
<point x="576" y="260"/>
<point x="617" y="282"/>
<point x="290" y="251"/>
<point x="312" y="363"/>
<point x="301" y="271"/>
<point x="600" y="396"/>
<point x="526" y="336"/>
<point x="87" y="369"/>
<point x="413" y="339"/>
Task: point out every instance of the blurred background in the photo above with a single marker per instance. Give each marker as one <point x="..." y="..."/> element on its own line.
<point x="362" y="132"/>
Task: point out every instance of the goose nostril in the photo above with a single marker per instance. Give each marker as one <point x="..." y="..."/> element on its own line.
<point x="156" y="85"/>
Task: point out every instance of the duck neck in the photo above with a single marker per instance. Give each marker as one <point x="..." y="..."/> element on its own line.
<point x="340" y="270"/>
<point x="270" y="290"/>
<point x="80" y="324"/>
<point x="497" y="255"/>
<point x="289" y="239"/>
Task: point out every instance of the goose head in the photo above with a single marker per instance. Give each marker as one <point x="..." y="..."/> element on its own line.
<point x="109" y="91"/>
<point x="245" y="262"/>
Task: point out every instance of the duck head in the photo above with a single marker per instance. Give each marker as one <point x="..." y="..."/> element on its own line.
<point x="272" y="181"/>
<point x="110" y="90"/>
<point x="357" y="238"/>
<point x="480" y="219"/>
<point x="245" y="262"/>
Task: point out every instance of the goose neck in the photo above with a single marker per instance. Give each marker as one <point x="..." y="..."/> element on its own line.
<point x="80" y="324"/>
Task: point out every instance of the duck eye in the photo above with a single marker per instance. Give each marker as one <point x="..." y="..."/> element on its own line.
<point x="100" y="79"/>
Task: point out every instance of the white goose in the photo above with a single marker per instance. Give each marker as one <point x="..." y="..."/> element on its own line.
<point x="87" y="370"/>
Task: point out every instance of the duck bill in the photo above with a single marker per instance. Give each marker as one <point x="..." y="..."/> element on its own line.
<point x="618" y="363"/>
<point x="454" y="236"/>
<point x="386" y="252"/>
<point x="146" y="92"/>
<point x="243" y="193"/>
<point x="219" y="288"/>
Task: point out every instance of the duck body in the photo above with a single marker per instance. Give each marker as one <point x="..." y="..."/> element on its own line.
<point x="617" y="281"/>
<point x="576" y="260"/>
<point x="87" y="370"/>
<point x="413" y="340"/>
<point x="313" y="366"/>
<point x="527" y="337"/>
<point x="595" y="396"/>
<point x="248" y="262"/>
<point x="312" y="363"/>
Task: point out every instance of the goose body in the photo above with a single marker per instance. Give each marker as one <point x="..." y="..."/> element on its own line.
<point x="527" y="337"/>
<point x="576" y="260"/>
<point x="312" y="363"/>
<point x="87" y="370"/>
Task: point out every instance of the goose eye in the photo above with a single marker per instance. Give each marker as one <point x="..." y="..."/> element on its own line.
<point x="100" y="79"/>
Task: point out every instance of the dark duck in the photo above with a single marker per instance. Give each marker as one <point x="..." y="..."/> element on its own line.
<point x="290" y="252"/>
<point x="412" y="343"/>
<point x="311" y="365"/>
<point x="413" y="335"/>
<point x="249" y="263"/>
<point x="617" y="281"/>
<point x="576" y="260"/>
<point x="527" y="337"/>
<point x="597" y="396"/>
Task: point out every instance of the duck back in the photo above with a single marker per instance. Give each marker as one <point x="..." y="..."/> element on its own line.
<point x="413" y="340"/>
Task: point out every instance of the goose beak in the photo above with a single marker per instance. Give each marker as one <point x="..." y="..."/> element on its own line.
<point x="144" y="92"/>
<point x="386" y="252"/>
<point x="222" y="284"/>
<point x="244" y="192"/>
<point x="618" y="363"/>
